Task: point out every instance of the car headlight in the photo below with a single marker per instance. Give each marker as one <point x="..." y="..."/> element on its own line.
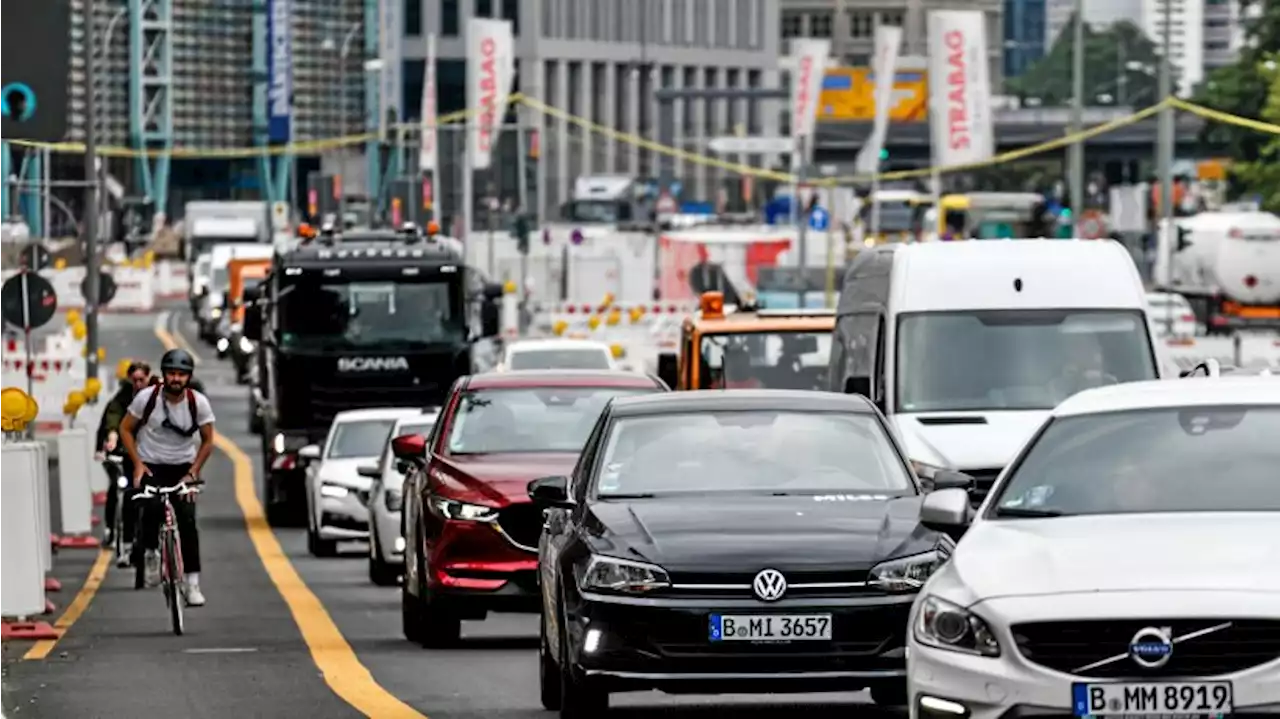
<point x="215" y="313"/>
<point x="463" y="511"/>
<point x="277" y="443"/>
<point x="334" y="490"/>
<point x="905" y="574"/>
<point x="611" y="574"/>
<point x="945" y="625"/>
<point x="246" y="346"/>
<point x="393" y="499"/>
<point x="925" y="470"/>
<point x="223" y="344"/>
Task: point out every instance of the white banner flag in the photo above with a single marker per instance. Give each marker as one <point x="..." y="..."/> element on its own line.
<point x="427" y="146"/>
<point x="959" y="88"/>
<point x="390" y="33"/>
<point x="885" y="68"/>
<point x="806" y="85"/>
<point x="491" y="70"/>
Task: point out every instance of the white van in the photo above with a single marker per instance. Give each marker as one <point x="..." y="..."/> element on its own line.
<point x="967" y="346"/>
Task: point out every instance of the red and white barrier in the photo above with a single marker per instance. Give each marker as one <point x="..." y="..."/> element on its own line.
<point x="56" y="369"/>
<point x="135" y="288"/>
<point x="24" y="540"/>
<point x="171" y="280"/>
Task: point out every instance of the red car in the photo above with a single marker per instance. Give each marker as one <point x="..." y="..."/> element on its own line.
<point x="471" y="533"/>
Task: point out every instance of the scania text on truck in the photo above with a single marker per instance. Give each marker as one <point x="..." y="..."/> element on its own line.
<point x="369" y="319"/>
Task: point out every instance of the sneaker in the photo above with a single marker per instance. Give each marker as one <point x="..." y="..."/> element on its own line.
<point x="195" y="598"/>
<point x="153" y="568"/>
<point x="125" y="560"/>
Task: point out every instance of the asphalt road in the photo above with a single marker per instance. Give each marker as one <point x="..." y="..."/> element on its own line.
<point x="286" y="634"/>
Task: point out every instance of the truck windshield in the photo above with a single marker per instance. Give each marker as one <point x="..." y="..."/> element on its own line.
<point x="336" y="314"/>
<point x="1016" y="359"/>
<point x="773" y="360"/>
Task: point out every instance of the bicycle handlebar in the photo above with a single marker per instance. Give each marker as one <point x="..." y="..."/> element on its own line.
<point x="151" y="491"/>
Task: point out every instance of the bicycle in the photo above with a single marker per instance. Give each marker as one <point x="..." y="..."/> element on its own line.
<point x="172" y="578"/>
<point x="114" y="465"/>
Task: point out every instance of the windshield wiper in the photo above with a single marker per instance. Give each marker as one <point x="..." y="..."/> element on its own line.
<point x="1029" y="512"/>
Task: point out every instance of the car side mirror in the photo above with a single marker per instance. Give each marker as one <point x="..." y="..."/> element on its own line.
<point x="669" y="369"/>
<point x="946" y="511"/>
<point x="950" y="479"/>
<point x="311" y="451"/>
<point x="369" y="470"/>
<point x="493" y="291"/>
<point x="252" y="327"/>
<point x="550" y="492"/>
<point x="490" y="319"/>
<point x="410" y="448"/>
<point x="403" y="467"/>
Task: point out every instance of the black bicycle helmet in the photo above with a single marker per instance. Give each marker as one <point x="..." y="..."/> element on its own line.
<point x="177" y="360"/>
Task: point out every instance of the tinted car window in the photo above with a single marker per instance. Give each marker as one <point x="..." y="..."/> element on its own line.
<point x="541" y="419"/>
<point x="753" y="450"/>
<point x="359" y="438"/>
<point x="1199" y="459"/>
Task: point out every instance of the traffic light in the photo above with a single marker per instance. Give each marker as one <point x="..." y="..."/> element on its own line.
<point x="523" y="228"/>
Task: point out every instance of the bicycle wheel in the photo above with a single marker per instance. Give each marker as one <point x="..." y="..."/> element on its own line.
<point x="117" y="522"/>
<point x="173" y="581"/>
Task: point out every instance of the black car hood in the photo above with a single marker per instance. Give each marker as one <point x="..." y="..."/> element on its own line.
<point x="725" y="534"/>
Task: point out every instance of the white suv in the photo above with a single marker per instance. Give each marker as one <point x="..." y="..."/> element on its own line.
<point x="1125" y="563"/>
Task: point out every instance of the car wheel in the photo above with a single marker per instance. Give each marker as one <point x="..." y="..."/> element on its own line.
<point x="410" y="615"/>
<point x="580" y="697"/>
<point x="318" y="547"/>
<point x="548" y="672"/>
<point x="440" y="627"/>
<point x="381" y="573"/>
<point x="892" y="693"/>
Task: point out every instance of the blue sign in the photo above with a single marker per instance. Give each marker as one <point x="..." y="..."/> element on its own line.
<point x="819" y="219"/>
<point x="279" y="71"/>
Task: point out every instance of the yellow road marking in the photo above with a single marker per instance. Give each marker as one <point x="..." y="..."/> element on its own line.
<point x="330" y="651"/>
<point x="44" y="647"/>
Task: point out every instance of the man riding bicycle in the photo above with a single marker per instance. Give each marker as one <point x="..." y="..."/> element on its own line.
<point x="168" y="433"/>
<point x="136" y="378"/>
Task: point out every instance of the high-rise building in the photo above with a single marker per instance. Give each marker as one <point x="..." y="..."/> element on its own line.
<point x="1098" y="13"/>
<point x="1186" y="20"/>
<point x="1024" y="34"/>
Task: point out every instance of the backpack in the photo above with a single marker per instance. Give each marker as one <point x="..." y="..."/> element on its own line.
<point x="157" y="388"/>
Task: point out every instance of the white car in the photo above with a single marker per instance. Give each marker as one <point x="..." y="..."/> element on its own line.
<point x="1171" y="315"/>
<point x="336" y="492"/>
<point x="1124" y="564"/>
<point x="386" y="542"/>
<point x="557" y="354"/>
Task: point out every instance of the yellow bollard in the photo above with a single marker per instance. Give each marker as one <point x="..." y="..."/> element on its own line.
<point x="78" y="330"/>
<point x="92" y="387"/>
<point x="73" y="316"/>
<point x="637" y="313"/>
<point x="594" y="322"/>
<point x="614" y="317"/>
<point x="559" y="327"/>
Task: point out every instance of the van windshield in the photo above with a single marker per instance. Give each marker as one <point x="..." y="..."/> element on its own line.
<point x="1016" y="359"/>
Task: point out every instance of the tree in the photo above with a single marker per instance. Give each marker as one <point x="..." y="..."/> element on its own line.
<point x="1120" y="67"/>
<point x="1262" y="175"/>
<point x="1242" y="89"/>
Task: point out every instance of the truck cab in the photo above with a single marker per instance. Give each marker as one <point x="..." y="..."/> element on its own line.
<point x="359" y="319"/>
<point x="731" y="348"/>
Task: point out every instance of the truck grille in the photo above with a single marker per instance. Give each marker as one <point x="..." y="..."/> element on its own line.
<point x="522" y="524"/>
<point x="1068" y="646"/>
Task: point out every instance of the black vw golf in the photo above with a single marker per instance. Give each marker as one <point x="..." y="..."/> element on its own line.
<point x="740" y="541"/>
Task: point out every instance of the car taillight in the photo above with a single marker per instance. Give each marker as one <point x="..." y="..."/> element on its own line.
<point x="1188" y="318"/>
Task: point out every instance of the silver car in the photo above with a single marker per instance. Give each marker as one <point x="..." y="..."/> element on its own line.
<point x="1124" y="564"/>
<point x="336" y="491"/>
<point x="386" y="543"/>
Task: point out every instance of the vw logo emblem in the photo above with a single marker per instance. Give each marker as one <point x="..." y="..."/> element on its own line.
<point x="769" y="585"/>
<point x="1151" y="647"/>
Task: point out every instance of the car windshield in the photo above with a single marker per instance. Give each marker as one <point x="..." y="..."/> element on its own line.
<point x="575" y="358"/>
<point x="535" y="419"/>
<point x="359" y="438"/>
<point x="751" y="451"/>
<point x="1176" y="459"/>
<point x="1016" y="359"/>
<point x="336" y="315"/>
<point x="772" y="360"/>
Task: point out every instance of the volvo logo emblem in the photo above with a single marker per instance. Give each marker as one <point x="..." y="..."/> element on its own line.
<point x="1152" y="647"/>
<point x="769" y="585"/>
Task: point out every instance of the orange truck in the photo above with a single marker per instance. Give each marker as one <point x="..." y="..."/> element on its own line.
<point x="743" y="348"/>
<point x="241" y="274"/>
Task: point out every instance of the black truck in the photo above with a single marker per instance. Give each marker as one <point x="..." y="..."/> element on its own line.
<point x="360" y="319"/>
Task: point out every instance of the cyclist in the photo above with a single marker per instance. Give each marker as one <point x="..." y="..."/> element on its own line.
<point x="168" y="433"/>
<point x="137" y="377"/>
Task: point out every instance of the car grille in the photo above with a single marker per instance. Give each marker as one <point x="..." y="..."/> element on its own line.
<point x="1068" y="646"/>
<point x="728" y="585"/>
<point x="522" y="525"/>
<point x="982" y="481"/>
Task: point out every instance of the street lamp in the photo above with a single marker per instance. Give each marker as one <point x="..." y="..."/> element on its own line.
<point x="344" y="53"/>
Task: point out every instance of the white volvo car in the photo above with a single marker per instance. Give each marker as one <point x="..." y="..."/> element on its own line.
<point x="1126" y="563"/>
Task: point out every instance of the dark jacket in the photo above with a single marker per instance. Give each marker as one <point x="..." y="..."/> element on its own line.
<point x="113" y="413"/>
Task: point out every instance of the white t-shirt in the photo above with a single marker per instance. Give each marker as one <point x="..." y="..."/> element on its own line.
<point x="158" y="444"/>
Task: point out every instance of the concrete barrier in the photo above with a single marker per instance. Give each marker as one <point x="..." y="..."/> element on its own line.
<point x="22" y="534"/>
